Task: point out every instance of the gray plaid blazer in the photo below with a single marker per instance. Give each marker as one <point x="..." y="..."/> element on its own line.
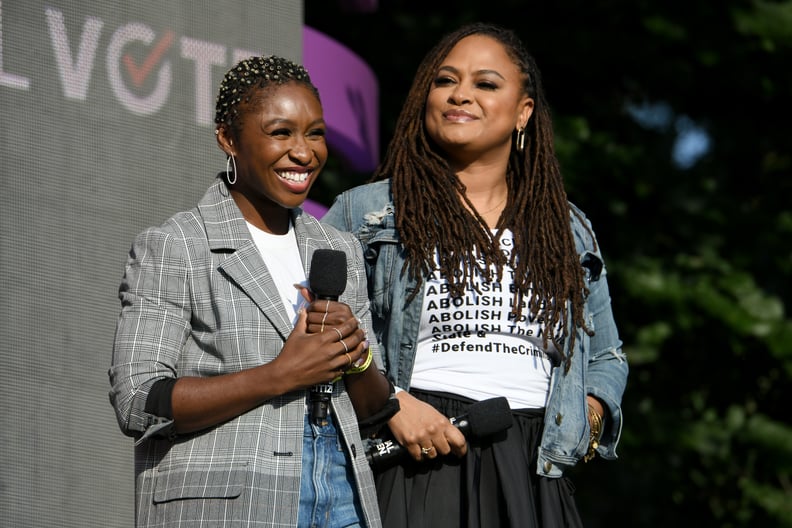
<point x="197" y="300"/>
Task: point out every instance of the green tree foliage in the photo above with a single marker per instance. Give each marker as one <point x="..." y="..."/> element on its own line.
<point x="698" y="248"/>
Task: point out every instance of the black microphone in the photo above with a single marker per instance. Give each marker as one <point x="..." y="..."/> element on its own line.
<point x="327" y="280"/>
<point x="328" y="276"/>
<point x="482" y="419"/>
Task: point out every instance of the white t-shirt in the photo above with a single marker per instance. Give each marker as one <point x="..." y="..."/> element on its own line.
<point x="473" y="346"/>
<point x="282" y="257"/>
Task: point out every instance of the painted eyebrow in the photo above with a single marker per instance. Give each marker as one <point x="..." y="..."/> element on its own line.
<point x="478" y="72"/>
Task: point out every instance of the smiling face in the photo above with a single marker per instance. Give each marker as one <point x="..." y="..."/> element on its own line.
<point x="476" y="102"/>
<point x="279" y="151"/>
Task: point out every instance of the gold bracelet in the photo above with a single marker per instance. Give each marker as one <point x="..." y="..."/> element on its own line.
<point x="364" y="366"/>
<point x="595" y="419"/>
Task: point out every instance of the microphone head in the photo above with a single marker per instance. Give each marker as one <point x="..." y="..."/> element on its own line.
<point x="488" y="417"/>
<point x="328" y="275"/>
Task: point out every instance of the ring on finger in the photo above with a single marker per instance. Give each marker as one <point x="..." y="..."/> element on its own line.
<point x="340" y="335"/>
<point x="426" y="450"/>
<point x="349" y="358"/>
<point x="346" y="348"/>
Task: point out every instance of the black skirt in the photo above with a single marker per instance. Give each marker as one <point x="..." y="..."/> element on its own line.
<point x="494" y="485"/>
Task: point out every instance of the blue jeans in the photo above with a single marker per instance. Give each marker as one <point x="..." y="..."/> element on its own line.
<point x="328" y="496"/>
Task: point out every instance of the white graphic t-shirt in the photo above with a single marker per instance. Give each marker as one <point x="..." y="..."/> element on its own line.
<point x="474" y="346"/>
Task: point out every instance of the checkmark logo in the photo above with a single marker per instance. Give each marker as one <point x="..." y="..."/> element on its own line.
<point x="139" y="73"/>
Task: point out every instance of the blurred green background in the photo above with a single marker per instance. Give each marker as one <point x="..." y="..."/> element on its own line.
<point x="672" y="127"/>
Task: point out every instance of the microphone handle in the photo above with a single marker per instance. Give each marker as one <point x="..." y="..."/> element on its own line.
<point x="389" y="450"/>
<point x="327" y="297"/>
<point x="319" y="397"/>
<point x="462" y="423"/>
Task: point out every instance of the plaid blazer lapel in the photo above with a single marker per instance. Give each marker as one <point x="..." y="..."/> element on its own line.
<point x="228" y="233"/>
<point x="311" y="235"/>
<point x="246" y="268"/>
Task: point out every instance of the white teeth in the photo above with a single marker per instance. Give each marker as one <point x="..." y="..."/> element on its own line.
<point x="298" y="177"/>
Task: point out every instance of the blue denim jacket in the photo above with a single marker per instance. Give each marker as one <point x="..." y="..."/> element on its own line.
<point x="598" y="366"/>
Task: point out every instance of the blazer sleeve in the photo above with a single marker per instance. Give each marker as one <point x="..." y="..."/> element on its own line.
<point x="152" y="329"/>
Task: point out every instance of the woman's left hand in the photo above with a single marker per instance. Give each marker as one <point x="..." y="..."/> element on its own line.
<point x="596" y="405"/>
<point x="322" y="313"/>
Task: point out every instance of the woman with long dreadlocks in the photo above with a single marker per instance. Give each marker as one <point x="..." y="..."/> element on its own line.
<point x="485" y="282"/>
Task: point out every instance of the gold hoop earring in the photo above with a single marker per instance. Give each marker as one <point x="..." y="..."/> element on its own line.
<point x="520" y="139"/>
<point x="230" y="160"/>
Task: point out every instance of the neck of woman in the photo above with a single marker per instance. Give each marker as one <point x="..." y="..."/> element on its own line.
<point x="487" y="191"/>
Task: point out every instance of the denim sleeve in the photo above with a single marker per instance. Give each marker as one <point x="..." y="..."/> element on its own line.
<point x="607" y="364"/>
<point x="338" y="215"/>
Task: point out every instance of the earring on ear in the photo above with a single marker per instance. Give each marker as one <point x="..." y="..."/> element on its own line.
<point x="520" y="139"/>
<point x="230" y="160"/>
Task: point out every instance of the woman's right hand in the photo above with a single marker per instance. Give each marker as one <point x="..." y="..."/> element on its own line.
<point x="419" y="426"/>
<point x="309" y="358"/>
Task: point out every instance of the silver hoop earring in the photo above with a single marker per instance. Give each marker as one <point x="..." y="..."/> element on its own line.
<point x="230" y="160"/>
<point x="521" y="139"/>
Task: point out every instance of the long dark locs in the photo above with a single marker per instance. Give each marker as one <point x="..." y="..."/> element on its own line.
<point x="431" y="217"/>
